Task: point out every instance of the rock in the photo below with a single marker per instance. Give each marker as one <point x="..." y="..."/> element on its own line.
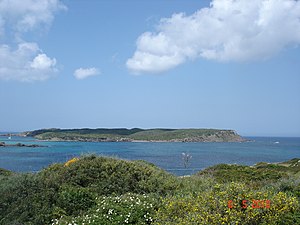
<point x="35" y="146"/>
<point x="20" y="145"/>
<point x="2" y="144"/>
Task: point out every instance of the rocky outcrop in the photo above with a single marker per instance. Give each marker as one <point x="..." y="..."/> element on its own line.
<point x="3" y="144"/>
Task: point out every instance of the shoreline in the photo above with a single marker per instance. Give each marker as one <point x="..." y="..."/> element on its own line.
<point x="141" y="141"/>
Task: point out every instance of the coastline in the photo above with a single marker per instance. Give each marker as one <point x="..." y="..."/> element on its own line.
<point x="141" y="141"/>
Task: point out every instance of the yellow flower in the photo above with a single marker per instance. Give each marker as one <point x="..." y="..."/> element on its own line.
<point x="71" y="161"/>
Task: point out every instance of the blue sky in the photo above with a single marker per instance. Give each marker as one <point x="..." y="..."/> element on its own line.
<point x="176" y="64"/>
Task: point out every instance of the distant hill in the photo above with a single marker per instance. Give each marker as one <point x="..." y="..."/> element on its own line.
<point x="136" y="135"/>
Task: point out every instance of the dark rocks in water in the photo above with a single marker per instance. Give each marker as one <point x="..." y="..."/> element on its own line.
<point x="35" y="146"/>
<point x="19" y="145"/>
<point x="3" y="144"/>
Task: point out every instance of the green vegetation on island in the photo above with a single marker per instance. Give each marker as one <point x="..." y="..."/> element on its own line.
<point x="98" y="190"/>
<point x="136" y="134"/>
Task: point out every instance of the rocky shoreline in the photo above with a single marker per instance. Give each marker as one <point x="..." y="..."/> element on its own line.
<point x="190" y="140"/>
<point x="3" y="144"/>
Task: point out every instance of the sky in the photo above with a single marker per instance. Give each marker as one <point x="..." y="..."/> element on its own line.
<point x="151" y="64"/>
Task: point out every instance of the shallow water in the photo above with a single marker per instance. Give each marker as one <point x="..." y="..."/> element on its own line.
<point x="165" y="155"/>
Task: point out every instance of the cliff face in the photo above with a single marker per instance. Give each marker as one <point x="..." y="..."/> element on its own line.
<point x="220" y="136"/>
<point x="135" y="135"/>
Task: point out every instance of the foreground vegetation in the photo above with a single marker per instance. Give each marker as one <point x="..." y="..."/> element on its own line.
<point x="136" y="134"/>
<point x="99" y="190"/>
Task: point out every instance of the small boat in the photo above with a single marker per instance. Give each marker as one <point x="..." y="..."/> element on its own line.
<point x="276" y="142"/>
<point x="9" y="137"/>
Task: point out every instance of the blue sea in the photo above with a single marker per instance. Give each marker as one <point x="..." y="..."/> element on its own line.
<point x="165" y="155"/>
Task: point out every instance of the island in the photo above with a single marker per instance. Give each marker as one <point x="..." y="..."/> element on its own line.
<point x="135" y="135"/>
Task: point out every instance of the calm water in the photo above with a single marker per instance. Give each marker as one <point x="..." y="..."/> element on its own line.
<point x="164" y="155"/>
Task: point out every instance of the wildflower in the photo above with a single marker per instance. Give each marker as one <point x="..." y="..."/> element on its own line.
<point x="71" y="161"/>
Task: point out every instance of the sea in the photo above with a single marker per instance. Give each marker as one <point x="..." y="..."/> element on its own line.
<point x="168" y="156"/>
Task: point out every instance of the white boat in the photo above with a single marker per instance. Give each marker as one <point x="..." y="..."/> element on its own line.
<point x="276" y="142"/>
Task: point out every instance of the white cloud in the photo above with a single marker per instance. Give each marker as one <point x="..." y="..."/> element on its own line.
<point x="26" y="63"/>
<point x="83" y="73"/>
<point x="43" y="62"/>
<point x="229" y="30"/>
<point x="19" y="59"/>
<point x="1" y="27"/>
<point x="27" y="15"/>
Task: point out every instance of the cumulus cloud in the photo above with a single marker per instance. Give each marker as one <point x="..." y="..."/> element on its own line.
<point x="83" y="73"/>
<point x="228" y="30"/>
<point x="19" y="59"/>
<point x="28" y="15"/>
<point x="26" y="63"/>
<point x="42" y="62"/>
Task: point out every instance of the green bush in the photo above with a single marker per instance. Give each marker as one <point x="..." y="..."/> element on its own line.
<point x="110" y="210"/>
<point x="227" y="173"/>
<point x="112" y="176"/>
<point x="71" y="188"/>
<point x="99" y="190"/>
<point x="211" y="207"/>
<point x="25" y="199"/>
<point x="4" y="172"/>
<point x="74" y="201"/>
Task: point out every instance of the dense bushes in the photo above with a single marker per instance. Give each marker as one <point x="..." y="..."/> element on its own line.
<point x="211" y="206"/>
<point x="227" y="173"/>
<point x="71" y="189"/>
<point x="25" y="198"/>
<point x="124" y="209"/>
<point x="111" y="176"/>
<point x="4" y="172"/>
<point x="99" y="190"/>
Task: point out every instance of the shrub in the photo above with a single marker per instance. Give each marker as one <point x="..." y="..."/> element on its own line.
<point x="238" y="173"/>
<point x="4" y="172"/>
<point x="106" y="176"/>
<point x="211" y="207"/>
<point x="99" y="190"/>
<point x="74" y="200"/>
<point x="110" y="210"/>
<point x="68" y="190"/>
<point x="25" y="200"/>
